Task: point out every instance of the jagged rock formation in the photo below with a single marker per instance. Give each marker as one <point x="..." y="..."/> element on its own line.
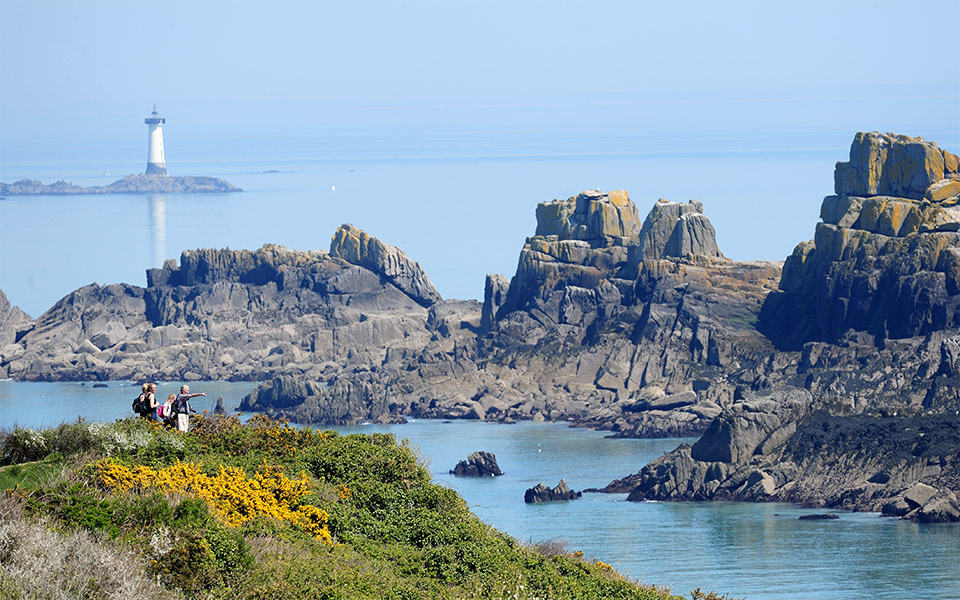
<point x="131" y="184"/>
<point x="614" y="329"/>
<point x="11" y="320"/>
<point x="886" y="258"/>
<point x="234" y="315"/>
<point x="870" y="410"/>
<point x="677" y="230"/>
<point x="478" y="464"/>
<point x="541" y="493"/>
<point x="365" y="320"/>
<point x="358" y="248"/>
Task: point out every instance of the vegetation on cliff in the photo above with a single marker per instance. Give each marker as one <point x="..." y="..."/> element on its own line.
<point x="256" y="510"/>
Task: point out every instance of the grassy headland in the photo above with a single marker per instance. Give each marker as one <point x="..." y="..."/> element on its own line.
<point x="256" y="510"/>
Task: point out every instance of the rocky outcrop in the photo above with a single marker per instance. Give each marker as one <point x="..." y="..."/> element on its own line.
<point x="592" y="216"/>
<point x="343" y="402"/>
<point x="642" y="351"/>
<point x="478" y="464"/>
<point x="886" y="258"/>
<point x="894" y="165"/>
<point x="131" y="184"/>
<point x="541" y="493"/>
<point x="12" y="321"/>
<point x="236" y="315"/>
<point x="868" y="412"/>
<point x="677" y="230"/>
<point x="393" y="266"/>
<point x="858" y="462"/>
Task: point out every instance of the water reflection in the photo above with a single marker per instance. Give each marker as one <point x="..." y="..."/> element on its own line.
<point x="158" y="229"/>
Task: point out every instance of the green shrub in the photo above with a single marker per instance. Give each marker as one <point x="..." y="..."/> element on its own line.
<point x="345" y="459"/>
<point x="399" y="535"/>
<point x="23" y="445"/>
<point x="190" y="566"/>
<point x="78" y="505"/>
<point x="191" y="513"/>
<point x="230" y="550"/>
<point x="72" y="438"/>
<point x="147" y="512"/>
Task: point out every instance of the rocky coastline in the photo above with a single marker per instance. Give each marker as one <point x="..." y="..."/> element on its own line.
<point x="131" y="184"/>
<point x="830" y="379"/>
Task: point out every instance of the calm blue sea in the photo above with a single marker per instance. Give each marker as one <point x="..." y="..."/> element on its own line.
<point x="757" y="551"/>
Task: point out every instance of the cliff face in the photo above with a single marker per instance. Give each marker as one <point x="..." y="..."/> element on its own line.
<point x="886" y="258"/>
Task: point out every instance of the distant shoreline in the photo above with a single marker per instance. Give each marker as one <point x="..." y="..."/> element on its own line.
<point x="131" y="184"/>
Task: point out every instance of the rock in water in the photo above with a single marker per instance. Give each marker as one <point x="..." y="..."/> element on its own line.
<point x="131" y="184"/>
<point x="541" y="493"/>
<point x="478" y="464"/>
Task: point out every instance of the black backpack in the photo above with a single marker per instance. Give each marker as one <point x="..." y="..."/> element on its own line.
<point x="138" y="403"/>
<point x="180" y="405"/>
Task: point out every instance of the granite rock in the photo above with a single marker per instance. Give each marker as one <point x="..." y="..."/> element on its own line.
<point x="886" y="258"/>
<point x="541" y="493"/>
<point x="674" y="229"/>
<point x="357" y="247"/>
<point x="478" y="464"/>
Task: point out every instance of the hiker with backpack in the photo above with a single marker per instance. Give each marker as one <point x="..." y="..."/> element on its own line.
<point x="181" y="408"/>
<point x="150" y="403"/>
<point x="165" y="411"/>
<point x="146" y="404"/>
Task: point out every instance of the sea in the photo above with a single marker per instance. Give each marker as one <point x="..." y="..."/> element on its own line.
<point x="759" y="551"/>
<point x="461" y="203"/>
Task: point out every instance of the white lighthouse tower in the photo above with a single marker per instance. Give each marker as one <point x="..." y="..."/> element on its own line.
<point x="156" y="165"/>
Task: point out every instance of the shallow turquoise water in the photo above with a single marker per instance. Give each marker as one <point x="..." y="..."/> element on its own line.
<point x="757" y="551"/>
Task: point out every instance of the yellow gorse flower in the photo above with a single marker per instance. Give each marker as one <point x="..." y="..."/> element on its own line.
<point x="233" y="497"/>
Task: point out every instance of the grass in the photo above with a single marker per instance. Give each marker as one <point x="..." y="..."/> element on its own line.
<point x="261" y="510"/>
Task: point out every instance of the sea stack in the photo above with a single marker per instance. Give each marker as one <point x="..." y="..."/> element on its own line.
<point x="156" y="165"/>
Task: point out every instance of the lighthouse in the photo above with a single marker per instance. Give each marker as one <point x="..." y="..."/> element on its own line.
<point x="156" y="165"/>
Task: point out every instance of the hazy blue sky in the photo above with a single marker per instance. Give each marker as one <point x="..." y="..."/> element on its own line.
<point x="75" y="69"/>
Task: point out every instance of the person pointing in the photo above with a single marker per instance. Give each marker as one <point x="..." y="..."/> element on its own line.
<point x="181" y="407"/>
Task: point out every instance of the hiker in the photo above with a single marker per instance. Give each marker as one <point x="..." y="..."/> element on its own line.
<point x="165" y="411"/>
<point x="140" y="404"/>
<point x="181" y="408"/>
<point x="150" y="403"/>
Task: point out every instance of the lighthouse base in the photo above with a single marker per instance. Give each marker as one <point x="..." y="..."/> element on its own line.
<point x="155" y="169"/>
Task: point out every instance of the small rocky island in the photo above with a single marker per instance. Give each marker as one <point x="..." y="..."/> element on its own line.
<point x="131" y="184"/>
<point x="541" y="493"/>
<point x="478" y="464"/>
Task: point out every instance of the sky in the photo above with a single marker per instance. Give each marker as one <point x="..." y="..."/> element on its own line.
<point x="81" y="69"/>
<point x="416" y="78"/>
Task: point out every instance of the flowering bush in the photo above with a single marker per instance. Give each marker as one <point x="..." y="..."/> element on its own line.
<point x="233" y="497"/>
<point x="262" y="433"/>
<point x="114" y="441"/>
<point x="23" y="445"/>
